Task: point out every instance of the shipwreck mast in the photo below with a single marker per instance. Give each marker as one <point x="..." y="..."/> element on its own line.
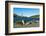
<point x="22" y="19"/>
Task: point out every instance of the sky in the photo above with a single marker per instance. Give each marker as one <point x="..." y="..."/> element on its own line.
<point x="26" y="11"/>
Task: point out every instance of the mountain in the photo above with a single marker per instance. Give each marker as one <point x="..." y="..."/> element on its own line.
<point x="17" y="17"/>
<point x="34" y="16"/>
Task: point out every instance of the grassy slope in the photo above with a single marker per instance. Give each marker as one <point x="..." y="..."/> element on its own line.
<point x="35" y="16"/>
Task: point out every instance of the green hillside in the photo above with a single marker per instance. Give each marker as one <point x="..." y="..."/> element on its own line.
<point x="35" y="16"/>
